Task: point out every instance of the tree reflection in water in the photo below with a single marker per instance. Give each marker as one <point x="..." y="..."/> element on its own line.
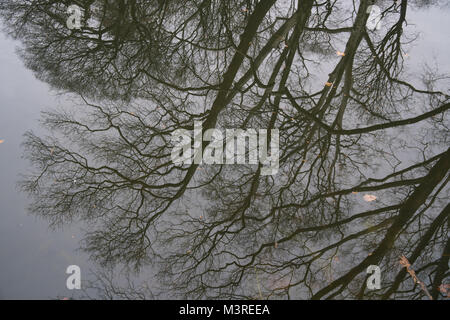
<point x="141" y="69"/>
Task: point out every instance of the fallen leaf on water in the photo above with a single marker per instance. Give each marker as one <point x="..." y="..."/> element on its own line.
<point x="405" y="263"/>
<point x="443" y="288"/>
<point x="340" y="53"/>
<point x="369" y="198"/>
<point x="328" y="84"/>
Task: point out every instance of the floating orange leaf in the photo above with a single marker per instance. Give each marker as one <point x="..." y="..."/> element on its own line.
<point x="369" y="197"/>
<point x="328" y="84"/>
<point x="340" y="53"/>
<point x="405" y="263"/>
<point x="443" y="288"/>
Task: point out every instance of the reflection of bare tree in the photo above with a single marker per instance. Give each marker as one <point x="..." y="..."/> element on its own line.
<point x="144" y="70"/>
<point x="107" y="287"/>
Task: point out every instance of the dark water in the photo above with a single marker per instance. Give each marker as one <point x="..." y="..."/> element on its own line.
<point x="356" y="185"/>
